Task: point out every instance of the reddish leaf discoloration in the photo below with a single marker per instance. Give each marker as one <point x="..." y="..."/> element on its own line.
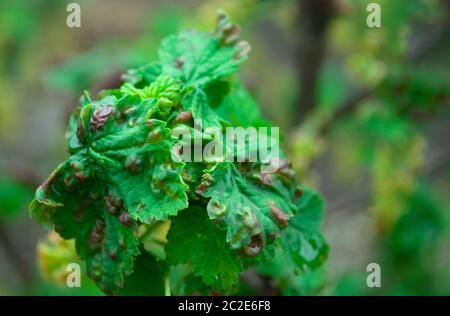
<point x="100" y="116"/>
<point x="278" y="214"/>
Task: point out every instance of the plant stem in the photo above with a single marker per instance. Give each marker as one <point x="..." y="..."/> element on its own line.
<point x="167" y="291"/>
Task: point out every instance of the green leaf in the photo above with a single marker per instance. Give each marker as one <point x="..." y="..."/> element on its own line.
<point x="147" y="278"/>
<point x="198" y="58"/>
<point x="134" y="159"/>
<point x="239" y="108"/>
<point x="217" y="91"/>
<point x="146" y="179"/>
<point x="111" y="259"/>
<point x="251" y="210"/>
<point x="285" y="273"/>
<point x="120" y="170"/>
<point x="105" y="240"/>
<point x="302" y="239"/>
<point x="197" y="103"/>
<point x="49" y="194"/>
<point x="194" y="238"/>
<point x="143" y="75"/>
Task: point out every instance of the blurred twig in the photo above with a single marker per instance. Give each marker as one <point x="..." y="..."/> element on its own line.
<point x="17" y="262"/>
<point x="313" y="20"/>
<point x="417" y="52"/>
<point x="23" y="174"/>
<point x="435" y="163"/>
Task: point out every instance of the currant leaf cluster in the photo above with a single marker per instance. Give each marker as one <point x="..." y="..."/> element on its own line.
<point x="135" y="212"/>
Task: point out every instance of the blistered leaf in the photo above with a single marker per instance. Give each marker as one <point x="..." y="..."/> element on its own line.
<point x="303" y="239"/>
<point x="198" y="58"/>
<point x="253" y="210"/>
<point x="112" y="246"/>
<point x="120" y="171"/>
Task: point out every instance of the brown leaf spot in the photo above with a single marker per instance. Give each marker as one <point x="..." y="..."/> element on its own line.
<point x="266" y="178"/>
<point x="113" y="254"/>
<point x="125" y="219"/>
<point x="254" y="247"/>
<point x="178" y="63"/>
<point x="183" y="117"/>
<point x="100" y="116"/>
<point x="96" y="235"/>
<point x="281" y="217"/>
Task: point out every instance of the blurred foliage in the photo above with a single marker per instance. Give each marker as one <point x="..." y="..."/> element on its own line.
<point x="411" y="247"/>
<point x="14" y="195"/>
<point x="54" y="255"/>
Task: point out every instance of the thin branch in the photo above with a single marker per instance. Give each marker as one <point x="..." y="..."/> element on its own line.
<point x="418" y="52"/>
<point x="17" y="262"/>
<point x="313" y="21"/>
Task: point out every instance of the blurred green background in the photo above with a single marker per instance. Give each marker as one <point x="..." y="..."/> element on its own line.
<point x="364" y="113"/>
